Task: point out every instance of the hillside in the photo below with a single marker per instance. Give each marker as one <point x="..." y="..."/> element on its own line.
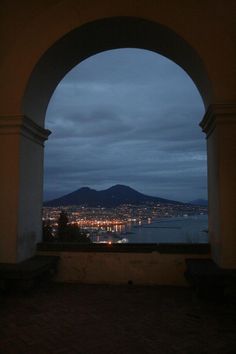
<point x="111" y="197"/>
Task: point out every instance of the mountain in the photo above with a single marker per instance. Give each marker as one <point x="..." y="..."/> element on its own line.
<point x="111" y="197"/>
<point x="200" y="202"/>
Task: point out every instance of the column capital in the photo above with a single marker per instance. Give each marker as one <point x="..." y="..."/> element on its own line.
<point x="22" y="125"/>
<point x="218" y="114"/>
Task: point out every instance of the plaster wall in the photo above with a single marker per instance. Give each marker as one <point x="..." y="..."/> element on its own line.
<point x="9" y="152"/>
<point x="30" y="198"/>
<point x="227" y="151"/>
<point x="31" y="27"/>
<point x="220" y="126"/>
<point x="120" y="268"/>
<point x="214" y="223"/>
<point x="21" y="148"/>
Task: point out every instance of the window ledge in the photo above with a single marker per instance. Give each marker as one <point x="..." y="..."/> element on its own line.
<point x="168" y="248"/>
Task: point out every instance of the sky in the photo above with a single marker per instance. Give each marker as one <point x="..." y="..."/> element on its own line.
<point x="126" y="116"/>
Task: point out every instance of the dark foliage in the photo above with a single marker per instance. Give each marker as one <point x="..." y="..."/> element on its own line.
<point x="47" y="232"/>
<point x="70" y="232"/>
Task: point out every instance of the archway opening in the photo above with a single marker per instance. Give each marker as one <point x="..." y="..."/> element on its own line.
<point x="102" y="35"/>
<point x="59" y="59"/>
<point x="128" y="117"/>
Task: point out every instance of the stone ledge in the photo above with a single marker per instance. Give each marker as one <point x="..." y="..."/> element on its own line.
<point x="168" y="248"/>
<point x="20" y="124"/>
<point x="218" y="114"/>
<point x="27" y="273"/>
<point x="208" y="279"/>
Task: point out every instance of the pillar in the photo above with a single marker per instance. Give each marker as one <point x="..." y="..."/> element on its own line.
<point x="21" y="187"/>
<point x="219" y="124"/>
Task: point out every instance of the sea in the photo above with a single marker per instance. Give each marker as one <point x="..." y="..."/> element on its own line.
<point x="185" y="229"/>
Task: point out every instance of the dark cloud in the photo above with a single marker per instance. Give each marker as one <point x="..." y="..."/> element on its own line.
<point x="126" y="116"/>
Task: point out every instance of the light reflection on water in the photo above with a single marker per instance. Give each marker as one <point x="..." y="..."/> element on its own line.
<point x="191" y="229"/>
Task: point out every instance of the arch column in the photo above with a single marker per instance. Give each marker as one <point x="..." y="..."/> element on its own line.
<point x="219" y="124"/>
<point x="21" y="188"/>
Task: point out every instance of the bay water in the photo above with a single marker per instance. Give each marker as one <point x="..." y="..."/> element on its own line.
<point x="189" y="229"/>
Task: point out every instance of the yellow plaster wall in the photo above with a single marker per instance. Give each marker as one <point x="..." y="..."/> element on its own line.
<point x="29" y="28"/>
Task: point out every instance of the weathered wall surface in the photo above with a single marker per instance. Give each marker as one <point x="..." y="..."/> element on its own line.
<point x="29" y="28"/>
<point x="120" y="268"/>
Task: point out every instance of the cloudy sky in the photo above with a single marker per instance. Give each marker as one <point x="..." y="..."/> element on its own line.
<point x="126" y="116"/>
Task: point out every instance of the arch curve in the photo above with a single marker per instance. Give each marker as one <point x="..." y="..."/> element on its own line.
<point x="101" y="35"/>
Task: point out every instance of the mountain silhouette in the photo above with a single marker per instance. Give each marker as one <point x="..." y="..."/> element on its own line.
<point x="199" y="202"/>
<point x="111" y="197"/>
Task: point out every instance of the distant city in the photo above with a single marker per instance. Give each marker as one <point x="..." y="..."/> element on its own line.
<point x="118" y="224"/>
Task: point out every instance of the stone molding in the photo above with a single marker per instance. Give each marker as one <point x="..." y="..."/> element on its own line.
<point x="22" y="125"/>
<point x="218" y="114"/>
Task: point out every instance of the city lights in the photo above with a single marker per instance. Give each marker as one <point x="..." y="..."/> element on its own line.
<point x="114" y="225"/>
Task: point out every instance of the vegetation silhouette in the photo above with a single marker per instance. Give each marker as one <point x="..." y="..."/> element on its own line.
<point x="47" y="232"/>
<point x="70" y="232"/>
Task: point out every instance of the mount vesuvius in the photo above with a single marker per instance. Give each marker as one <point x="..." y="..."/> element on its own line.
<point x="111" y="197"/>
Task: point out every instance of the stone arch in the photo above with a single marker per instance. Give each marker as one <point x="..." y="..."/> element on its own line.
<point x="101" y="35"/>
<point x="196" y="35"/>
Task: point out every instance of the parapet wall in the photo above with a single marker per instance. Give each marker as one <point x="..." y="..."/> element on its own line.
<point x="135" y="267"/>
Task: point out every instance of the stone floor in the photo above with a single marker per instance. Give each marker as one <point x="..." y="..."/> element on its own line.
<point x="90" y="319"/>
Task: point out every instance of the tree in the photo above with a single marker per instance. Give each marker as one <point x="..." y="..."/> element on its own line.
<point x="62" y="226"/>
<point x="47" y="232"/>
<point x="70" y="233"/>
<point x="75" y="234"/>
